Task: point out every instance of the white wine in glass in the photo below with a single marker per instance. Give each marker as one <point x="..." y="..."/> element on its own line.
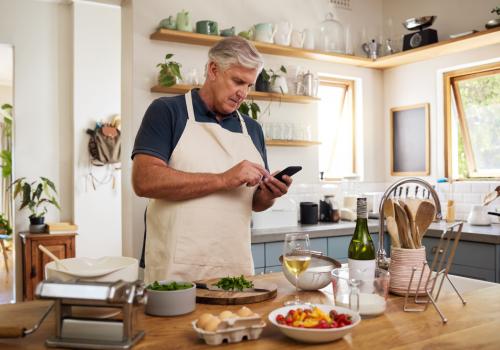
<point x="296" y="258"/>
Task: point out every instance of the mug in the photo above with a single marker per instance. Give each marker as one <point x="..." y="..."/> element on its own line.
<point x="207" y="27"/>
<point x="228" y="31"/>
<point x="168" y="23"/>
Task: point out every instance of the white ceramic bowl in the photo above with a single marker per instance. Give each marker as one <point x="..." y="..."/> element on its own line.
<point x="105" y="269"/>
<point x="317" y="275"/>
<point x="315" y="335"/>
<point x="171" y="302"/>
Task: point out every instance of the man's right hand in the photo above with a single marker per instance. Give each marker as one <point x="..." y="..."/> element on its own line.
<point x="245" y="172"/>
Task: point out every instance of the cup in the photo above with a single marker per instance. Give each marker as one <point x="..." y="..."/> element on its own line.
<point x="367" y="296"/>
<point x="207" y="27"/>
<point x="228" y="31"/>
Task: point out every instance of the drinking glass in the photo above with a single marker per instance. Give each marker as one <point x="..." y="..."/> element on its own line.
<point x="296" y="259"/>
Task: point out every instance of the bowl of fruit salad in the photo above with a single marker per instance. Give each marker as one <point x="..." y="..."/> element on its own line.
<point x="314" y="323"/>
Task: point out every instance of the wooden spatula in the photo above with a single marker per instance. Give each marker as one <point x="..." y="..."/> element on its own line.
<point x="413" y="204"/>
<point x="425" y="215"/>
<point x="392" y="228"/>
<point x="413" y="235"/>
<point x="403" y="227"/>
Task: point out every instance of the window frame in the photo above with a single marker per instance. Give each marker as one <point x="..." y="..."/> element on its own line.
<point x="349" y="86"/>
<point x="450" y="88"/>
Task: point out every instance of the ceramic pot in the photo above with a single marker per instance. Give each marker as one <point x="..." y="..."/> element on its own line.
<point x="183" y="21"/>
<point x="401" y="267"/>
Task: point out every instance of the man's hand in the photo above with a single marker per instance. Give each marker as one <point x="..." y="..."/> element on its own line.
<point x="269" y="189"/>
<point x="244" y="173"/>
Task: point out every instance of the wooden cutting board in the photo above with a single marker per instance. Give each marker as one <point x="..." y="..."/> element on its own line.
<point x="205" y="296"/>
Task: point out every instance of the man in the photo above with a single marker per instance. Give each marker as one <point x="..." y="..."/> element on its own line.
<point x="204" y="167"/>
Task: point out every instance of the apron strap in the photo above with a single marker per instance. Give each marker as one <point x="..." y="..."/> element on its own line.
<point x="142" y="262"/>
<point x="190" y="110"/>
<point x="244" y="130"/>
<point x="189" y="106"/>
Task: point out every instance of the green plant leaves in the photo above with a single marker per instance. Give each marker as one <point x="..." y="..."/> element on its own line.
<point x="34" y="195"/>
<point x="170" y="71"/>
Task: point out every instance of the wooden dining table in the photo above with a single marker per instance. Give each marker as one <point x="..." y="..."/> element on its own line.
<point x="475" y="325"/>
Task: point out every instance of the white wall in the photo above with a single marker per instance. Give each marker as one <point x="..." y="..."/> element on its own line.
<point x="42" y="95"/>
<point x="142" y="17"/>
<point x="96" y="97"/>
<point x="5" y="94"/>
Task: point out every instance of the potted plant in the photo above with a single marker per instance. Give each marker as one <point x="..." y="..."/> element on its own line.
<point x="277" y="81"/>
<point x="5" y="228"/>
<point x="262" y="82"/>
<point x="35" y="196"/>
<point x="494" y="22"/>
<point x="170" y="71"/>
<point x="250" y="108"/>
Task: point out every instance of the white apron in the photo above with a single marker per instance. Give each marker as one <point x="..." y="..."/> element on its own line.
<point x="209" y="236"/>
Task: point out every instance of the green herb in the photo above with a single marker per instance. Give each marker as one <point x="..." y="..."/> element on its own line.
<point x="169" y="286"/>
<point x="234" y="283"/>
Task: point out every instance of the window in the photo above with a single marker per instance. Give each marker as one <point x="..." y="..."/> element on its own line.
<point x="336" y="128"/>
<point x="472" y="122"/>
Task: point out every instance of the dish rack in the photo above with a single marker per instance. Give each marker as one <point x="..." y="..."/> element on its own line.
<point x="441" y="263"/>
<point x="404" y="188"/>
<point x="414" y="187"/>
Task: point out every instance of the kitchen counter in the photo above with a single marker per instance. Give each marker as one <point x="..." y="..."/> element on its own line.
<point x="472" y="326"/>
<point x="481" y="234"/>
<point x="322" y="229"/>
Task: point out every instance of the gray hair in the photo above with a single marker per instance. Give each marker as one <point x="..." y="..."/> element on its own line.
<point x="235" y="50"/>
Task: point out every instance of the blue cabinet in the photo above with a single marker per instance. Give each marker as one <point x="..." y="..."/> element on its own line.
<point x="258" y="255"/>
<point x="472" y="259"/>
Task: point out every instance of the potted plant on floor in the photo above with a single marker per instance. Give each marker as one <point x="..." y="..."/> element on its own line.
<point x="35" y="196"/>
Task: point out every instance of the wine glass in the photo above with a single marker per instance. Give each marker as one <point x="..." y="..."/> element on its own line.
<point x="296" y="258"/>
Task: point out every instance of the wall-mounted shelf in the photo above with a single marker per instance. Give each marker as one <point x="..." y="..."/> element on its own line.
<point x="272" y="49"/>
<point x="444" y="47"/>
<point x="292" y="143"/>
<point x="256" y="95"/>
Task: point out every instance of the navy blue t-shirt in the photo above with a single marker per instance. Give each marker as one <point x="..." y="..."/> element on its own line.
<point x="166" y="118"/>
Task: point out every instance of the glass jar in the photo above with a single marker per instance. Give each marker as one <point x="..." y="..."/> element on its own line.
<point x="331" y="35"/>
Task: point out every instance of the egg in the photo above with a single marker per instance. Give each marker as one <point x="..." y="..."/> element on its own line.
<point x="245" y="312"/>
<point x="226" y="314"/>
<point x="203" y="320"/>
<point x="212" y="324"/>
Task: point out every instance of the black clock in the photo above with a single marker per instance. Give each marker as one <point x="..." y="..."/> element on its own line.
<point x="420" y="38"/>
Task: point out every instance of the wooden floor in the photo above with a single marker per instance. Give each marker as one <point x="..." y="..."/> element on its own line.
<point x="6" y="279"/>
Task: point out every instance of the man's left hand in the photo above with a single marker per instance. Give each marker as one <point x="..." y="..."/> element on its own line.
<point x="269" y="189"/>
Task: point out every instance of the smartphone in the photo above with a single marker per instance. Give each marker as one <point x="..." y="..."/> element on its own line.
<point x="291" y="170"/>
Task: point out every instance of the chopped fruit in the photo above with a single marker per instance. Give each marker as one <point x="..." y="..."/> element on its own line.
<point x="315" y="318"/>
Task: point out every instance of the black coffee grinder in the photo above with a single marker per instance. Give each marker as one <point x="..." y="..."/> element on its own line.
<point x="423" y="36"/>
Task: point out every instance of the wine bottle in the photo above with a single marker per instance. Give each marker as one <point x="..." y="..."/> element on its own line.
<point x="361" y="254"/>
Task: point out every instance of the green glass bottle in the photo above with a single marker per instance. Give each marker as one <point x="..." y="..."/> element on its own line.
<point x="361" y="254"/>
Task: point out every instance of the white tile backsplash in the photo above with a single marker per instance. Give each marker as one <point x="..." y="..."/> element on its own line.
<point x="465" y="195"/>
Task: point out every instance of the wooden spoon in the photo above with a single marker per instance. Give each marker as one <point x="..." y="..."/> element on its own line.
<point x="413" y="204"/>
<point x="47" y="252"/>
<point x="490" y="197"/>
<point x="389" y="208"/>
<point x="425" y="215"/>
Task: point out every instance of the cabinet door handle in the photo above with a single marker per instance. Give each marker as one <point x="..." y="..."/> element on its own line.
<point x="33" y="272"/>
<point x="435" y="249"/>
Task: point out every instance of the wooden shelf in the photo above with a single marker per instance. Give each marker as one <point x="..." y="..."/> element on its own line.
<point x="272" y="49"/>
<point x="256" y="95"/>
<point x="444" y="47"/>
<point x="292" y="143"/>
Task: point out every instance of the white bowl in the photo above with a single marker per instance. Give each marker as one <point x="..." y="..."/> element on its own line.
<point x="317" y="275"/>
<point x="171" y="302"/>
<point x="315" y="335"/>
<point x="105" y="269"/>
